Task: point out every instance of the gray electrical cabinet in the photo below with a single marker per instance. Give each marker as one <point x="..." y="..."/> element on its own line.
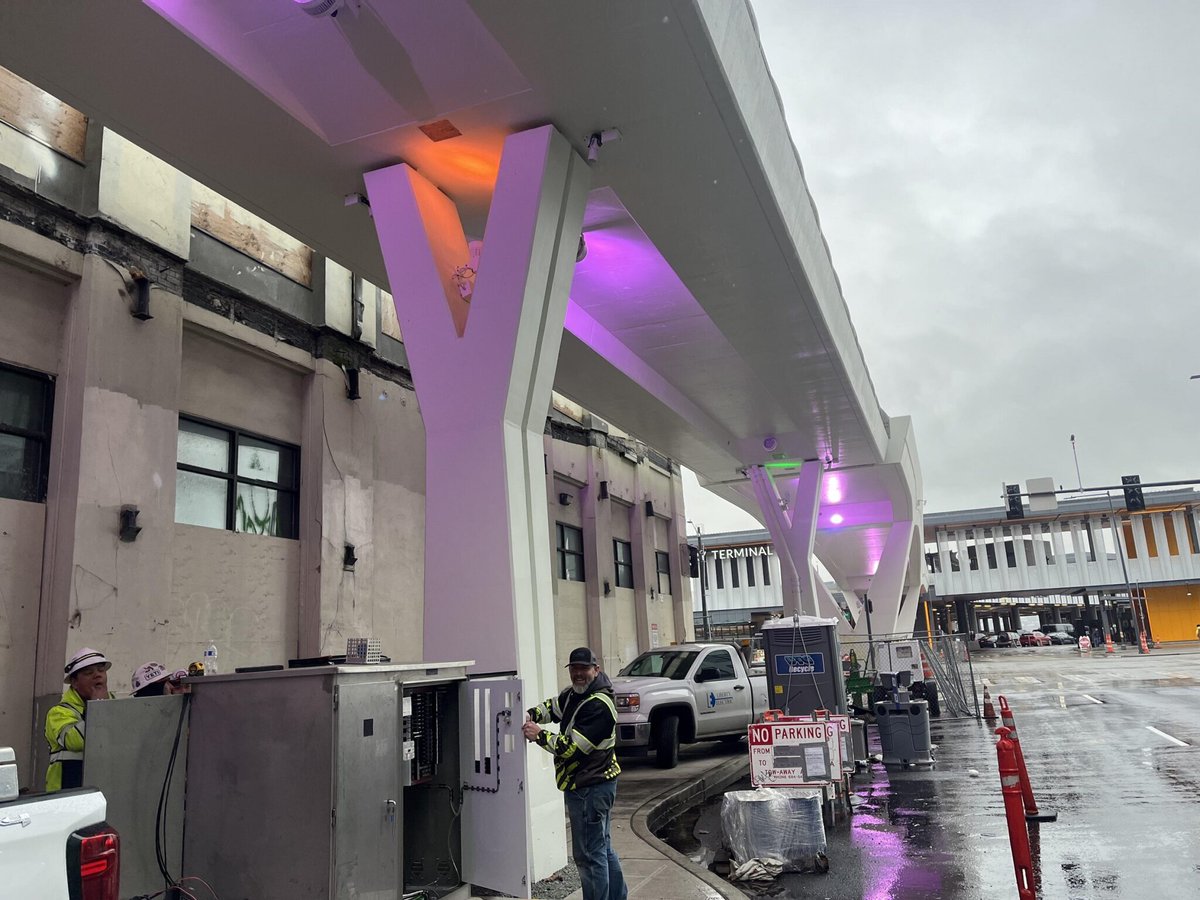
<point x="330" y="782"/>
<point x="804" y="665"/>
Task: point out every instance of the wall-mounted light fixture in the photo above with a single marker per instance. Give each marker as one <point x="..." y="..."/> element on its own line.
<point x="141" y="297"/>
<point x="604" y="490"/>
<point x="348" y="558"/>
<point x="649" y="509"/>
<point x="129" y="527"/>
<point x="607" y="588"/>
<point x="564" y="499"/>
<point x="352" y="385"/>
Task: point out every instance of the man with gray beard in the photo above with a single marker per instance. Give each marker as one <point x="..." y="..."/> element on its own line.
<point x="586" y="768"/>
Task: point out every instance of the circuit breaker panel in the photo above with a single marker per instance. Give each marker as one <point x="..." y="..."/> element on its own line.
<point x="421" y="733"/>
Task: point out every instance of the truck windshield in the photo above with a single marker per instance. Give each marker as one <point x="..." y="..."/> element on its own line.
<point x="673" y="664"/>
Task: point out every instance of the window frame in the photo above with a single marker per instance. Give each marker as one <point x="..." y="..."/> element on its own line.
<point x="662" y="566"/>
<point x="622" y="566"/>
<point x="232" y="479"/>
<point x="42" y="438"/>
<point x="560" y="529"/>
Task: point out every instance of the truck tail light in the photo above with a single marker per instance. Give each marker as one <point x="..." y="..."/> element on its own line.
<point x="94" y="863"/>
<point x="629" y="702"/>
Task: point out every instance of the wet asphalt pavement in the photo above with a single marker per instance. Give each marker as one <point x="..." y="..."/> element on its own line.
<point x="1127" y="797"/>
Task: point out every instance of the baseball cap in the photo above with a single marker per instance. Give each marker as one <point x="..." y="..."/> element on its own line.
<point x="582" y="656"/>
<point x="84" y="658"/>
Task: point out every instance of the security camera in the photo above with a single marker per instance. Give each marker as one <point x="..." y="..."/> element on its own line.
<point x="320" y="8"/>
<point x="599" y="139"/>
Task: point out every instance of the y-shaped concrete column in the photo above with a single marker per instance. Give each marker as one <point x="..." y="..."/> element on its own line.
<point x="793" y="532"/>
<point x="483" y="371"/>
<point x="893" y="590"/>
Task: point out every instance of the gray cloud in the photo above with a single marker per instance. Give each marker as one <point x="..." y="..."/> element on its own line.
<point x="1010" y="196"/>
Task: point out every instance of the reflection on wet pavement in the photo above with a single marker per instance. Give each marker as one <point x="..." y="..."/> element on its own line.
<point x="1128" y="800"/>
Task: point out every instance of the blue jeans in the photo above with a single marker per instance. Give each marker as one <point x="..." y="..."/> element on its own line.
<point x="591" y="843"/>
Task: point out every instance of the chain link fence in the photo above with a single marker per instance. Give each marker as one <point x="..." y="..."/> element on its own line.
<point x="942" y="660"/>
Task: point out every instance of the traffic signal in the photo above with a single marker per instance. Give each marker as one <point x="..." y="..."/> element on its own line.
<point x="693" y="562"/>
<point x="1012" y="494"/>
<point x="1134" y="501"/>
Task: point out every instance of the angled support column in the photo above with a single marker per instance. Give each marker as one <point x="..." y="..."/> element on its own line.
<point x="483" y="371"/>
<point x="793" y="532"/>
<point x="889" y="584"/>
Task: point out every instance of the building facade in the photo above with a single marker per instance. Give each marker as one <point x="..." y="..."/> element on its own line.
<point x="208" y="433"/>
<point x="1081" y="562"/>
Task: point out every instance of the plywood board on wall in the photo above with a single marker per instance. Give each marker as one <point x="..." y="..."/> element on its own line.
<point x="247" y="233"/>
<point x="45" y="118"/>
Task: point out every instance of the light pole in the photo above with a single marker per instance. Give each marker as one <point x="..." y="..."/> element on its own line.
<point x="704" y="623"/>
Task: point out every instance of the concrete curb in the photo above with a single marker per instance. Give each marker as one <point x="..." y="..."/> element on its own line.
<point x="652" y="814"/>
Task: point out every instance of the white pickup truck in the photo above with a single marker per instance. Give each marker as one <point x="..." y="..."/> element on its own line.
<point x="683" y="694"/>
<point x="55" y="846"/>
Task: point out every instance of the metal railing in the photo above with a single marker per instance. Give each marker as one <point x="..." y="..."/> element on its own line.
<point x="943" y="659"/>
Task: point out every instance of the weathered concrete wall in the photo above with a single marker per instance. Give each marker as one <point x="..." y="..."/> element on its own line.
<point x="570" y="620"/>
<point x="373" y="490"/>
<point x="238" y="590"/>
<point x="21" y="528"/>
<point x="240" y="386"/>
<point x="33" y="310"/>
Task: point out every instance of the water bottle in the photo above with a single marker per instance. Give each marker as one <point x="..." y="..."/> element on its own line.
<point x="210" y="659"/>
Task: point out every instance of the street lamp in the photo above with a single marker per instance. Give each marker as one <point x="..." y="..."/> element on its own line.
<point x="704" y="621"/>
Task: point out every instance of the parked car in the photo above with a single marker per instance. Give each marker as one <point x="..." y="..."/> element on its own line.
<point x="1059" y="638"/>
<point x="66" y="826"/>
<point x="1008" y="639"/>
<point x="685" y="694"/>
<point x="1051" y="628"/>
<point x="1034" y="639"/>
<point x="987" y="641"/>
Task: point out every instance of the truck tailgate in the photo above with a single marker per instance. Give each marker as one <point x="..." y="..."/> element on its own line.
<point x="33" y="840"/>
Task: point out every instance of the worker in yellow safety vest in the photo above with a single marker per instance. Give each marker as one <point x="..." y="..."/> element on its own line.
<point x="586" y="768"/>
<point x="86" y="679"/>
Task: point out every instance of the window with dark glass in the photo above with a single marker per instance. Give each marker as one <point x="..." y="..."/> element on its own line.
<point x="720" y="573"/>
<point x="766" y="570"/>
<point x="228" y="479"/>
<point x="662" y="564"/>
<point x="623" y="555"/>
<point x="749" y="571"/>
<point x="733" y="572"/>
<point x="26" y="412"/>
<point x="570" y="552"/>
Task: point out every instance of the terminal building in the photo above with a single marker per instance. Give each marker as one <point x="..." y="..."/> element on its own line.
<point x="1092" y="562"/>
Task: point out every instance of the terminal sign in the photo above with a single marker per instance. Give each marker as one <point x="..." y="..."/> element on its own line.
<point x="799" y="663"/>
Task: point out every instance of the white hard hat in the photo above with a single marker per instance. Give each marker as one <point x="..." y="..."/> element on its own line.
<point x="148" y="674"/>
<point x="84" y="658"/>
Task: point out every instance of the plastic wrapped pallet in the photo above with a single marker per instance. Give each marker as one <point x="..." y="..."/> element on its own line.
<point x="775" y="823"/>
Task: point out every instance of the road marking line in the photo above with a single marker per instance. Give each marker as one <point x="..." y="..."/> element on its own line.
<point x="1173" y="740"/>
<point x="1093" y="699"/>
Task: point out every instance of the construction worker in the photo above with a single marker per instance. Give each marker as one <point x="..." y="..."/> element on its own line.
<point x="586" y="768"/>
<point x="86" y="679"/>
<point x="152" y="679"/>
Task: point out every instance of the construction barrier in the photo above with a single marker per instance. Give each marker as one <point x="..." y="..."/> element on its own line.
<point x="1018" y="834"/>
<point x="1031" y="807"/>
<point x="1108" y="644"/>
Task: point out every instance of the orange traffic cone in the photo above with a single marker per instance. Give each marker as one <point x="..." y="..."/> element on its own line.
<point x="989" y="710"/>
<point x="1145" y="649"/>
<point x="1108" y="644"/>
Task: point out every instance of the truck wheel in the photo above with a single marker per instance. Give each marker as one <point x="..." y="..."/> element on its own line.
<point x="666" y="743"/>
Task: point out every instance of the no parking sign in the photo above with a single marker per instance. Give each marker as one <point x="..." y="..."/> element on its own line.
<point x="795" y="753"/>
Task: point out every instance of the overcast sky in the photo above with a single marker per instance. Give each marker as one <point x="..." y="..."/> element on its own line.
<point x="1011" y="195"/>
